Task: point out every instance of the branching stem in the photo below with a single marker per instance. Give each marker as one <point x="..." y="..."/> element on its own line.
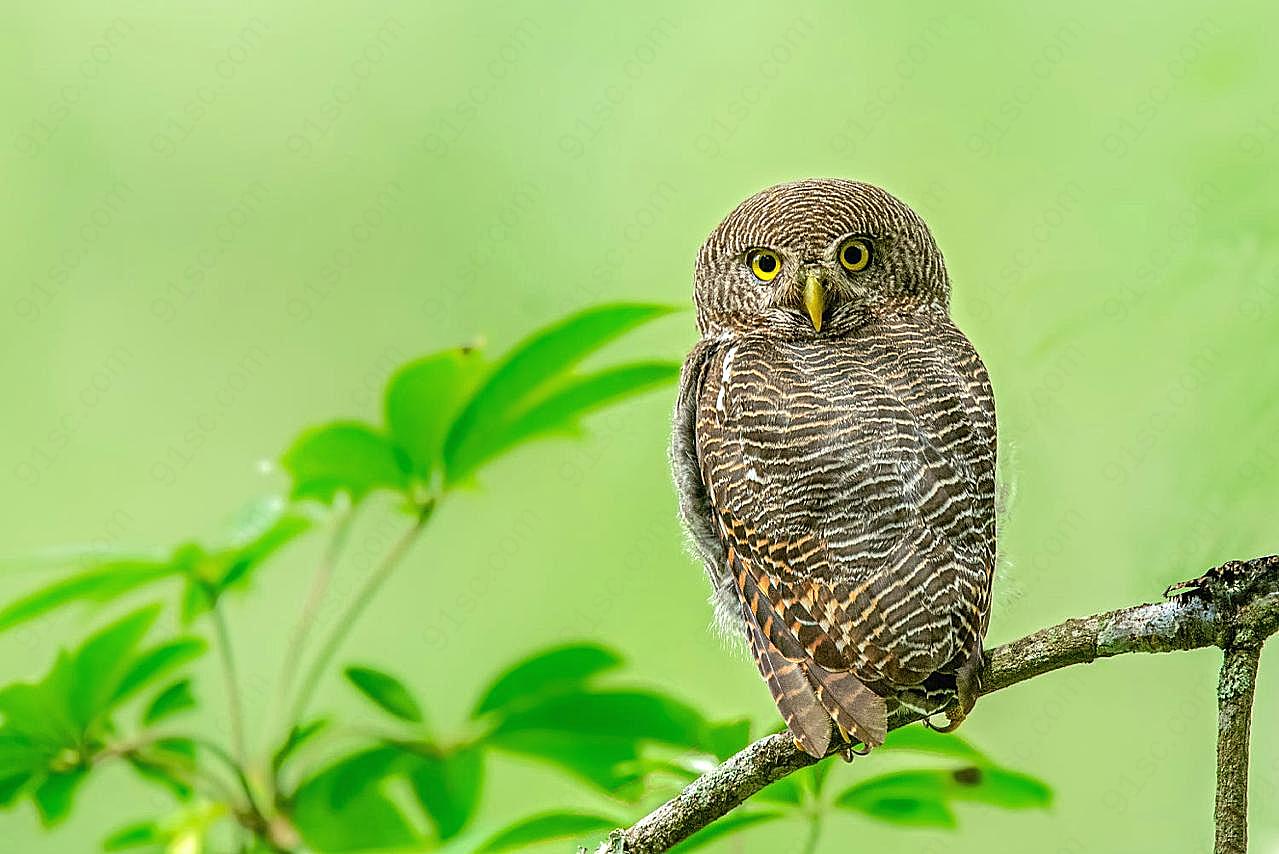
<point x="235" y="704"/>
<point x="347" y="619"/>
<point x="311" y="608"/>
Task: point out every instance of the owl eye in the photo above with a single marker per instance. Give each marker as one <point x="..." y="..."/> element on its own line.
<point x="854" y="255"/>
<point x="764" y="263"/>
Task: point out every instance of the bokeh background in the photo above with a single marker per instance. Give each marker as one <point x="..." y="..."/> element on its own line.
<point x="229" y="221"/>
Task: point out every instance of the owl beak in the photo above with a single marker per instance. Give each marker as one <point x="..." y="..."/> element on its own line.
<point x="815" y="300"/>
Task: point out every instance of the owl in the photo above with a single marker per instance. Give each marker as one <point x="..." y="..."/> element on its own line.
<point x="834" y="453"/>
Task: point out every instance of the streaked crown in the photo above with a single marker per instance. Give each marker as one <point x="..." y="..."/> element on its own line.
<point x="816" y="258"/>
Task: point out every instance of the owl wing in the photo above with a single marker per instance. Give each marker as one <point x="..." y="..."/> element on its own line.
<point x="845" y="487"/>
<point x="792" y="688"/>
<point x="810" y="678"/>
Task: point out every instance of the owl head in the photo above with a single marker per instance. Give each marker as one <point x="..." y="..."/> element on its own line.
<point x="816" y="258"/>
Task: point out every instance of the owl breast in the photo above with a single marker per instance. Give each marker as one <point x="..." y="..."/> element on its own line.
<point x="864" y="466"/>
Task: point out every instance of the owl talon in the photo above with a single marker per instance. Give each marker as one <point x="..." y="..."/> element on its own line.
<point x="954" y="717"/>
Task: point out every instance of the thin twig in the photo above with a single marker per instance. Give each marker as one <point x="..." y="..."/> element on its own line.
<point x="213" y="788"/>
<point x="1189" y="621"/>
<point x="346" y="620"/>
<point x="311" y="609"/>
<point x="1235" y="690"/>
<point x="237" y="770"/>
<point x="235" y="705"/>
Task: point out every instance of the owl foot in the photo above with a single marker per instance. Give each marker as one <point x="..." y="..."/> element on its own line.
<point x="852" y="751"/>
<point x="954" y="717"/>
<point x="852" y="745"/>
<point x="967" y="687"/>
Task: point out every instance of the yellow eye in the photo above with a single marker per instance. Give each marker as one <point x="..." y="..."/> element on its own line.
<point x="854" y="255"/>
<point x="764" y="263"/>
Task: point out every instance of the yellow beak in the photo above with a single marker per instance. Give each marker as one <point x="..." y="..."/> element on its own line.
<point x="815" y="300"/>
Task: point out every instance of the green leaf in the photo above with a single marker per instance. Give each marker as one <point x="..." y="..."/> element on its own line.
<point x="155" y="662"/>
<point x="53" y="728"/>
<point x="815" y="776"/>
<point x="53" y="797"/>
<point x="529" y="374"/>
<point x="161" y="773"/>
<point x="360" y="773"/>
<point x="928" y="785"/>
<point x="196" y="599"/>
<point x="344" y="456"/>
<point x="638" y="715"/>
<point x="726" y="738"/>
<point x="545" y="673"/>
<point x="597" y="735"/>
<point x="176" y="749"/>
<point x="274" y="526"/>
<point x="609" y="763"/>
<point x="172" y="700"/>
<point x="135" y="836"/>
<point x="908" y="793"/>
<point x="362" y="819"/>
<point x="37" y="718"/>
<point x="1001" y="788"/>
<point x="386" y="691"/>
<point x="423" y="397"/>
<point x="723" y="827"/>
<point x="12" y="786"/>
<point x="546" y="827"/>
<point x="685" y="768"/>
<point x="921" y="739"/>
<point x="299" y="735"/>
<point x="448" y="787"/>
<point x="911" y="812"/>
<point x="102" y="663"/>
<point x="784" y="791"/>
<point x="99" y="584"/>
<point x="561" y="410"/>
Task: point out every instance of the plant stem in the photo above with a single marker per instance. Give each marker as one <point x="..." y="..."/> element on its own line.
<point x="814" y="832"/>
<point x="235" y="706"/>
<point x="346" y="620"/>
<point x="237" y="769"/>
<point x="311" y="609"/>
<point x="212" y="787"/>
<point x="1235" y="689"/>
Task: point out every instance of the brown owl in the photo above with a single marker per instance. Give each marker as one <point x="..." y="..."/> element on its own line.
<point x="834" y="450"/>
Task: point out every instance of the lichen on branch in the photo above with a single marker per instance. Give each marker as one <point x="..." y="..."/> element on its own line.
<point x="1233" y="604"/>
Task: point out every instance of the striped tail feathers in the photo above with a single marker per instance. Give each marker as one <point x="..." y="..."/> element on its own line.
<point x="858" y="711"/>
<point x="809" y="695"/>
<point x="805" y="717"/>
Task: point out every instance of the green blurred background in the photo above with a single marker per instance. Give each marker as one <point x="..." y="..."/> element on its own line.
<point x="231" y="221"/>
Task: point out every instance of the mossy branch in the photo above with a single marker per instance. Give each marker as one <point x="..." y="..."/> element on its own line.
<point x="1234" y="606"/>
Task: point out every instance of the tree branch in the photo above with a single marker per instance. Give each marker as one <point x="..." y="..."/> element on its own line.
<point x="1234" y="603"/>
<point x="1234" y="715"/>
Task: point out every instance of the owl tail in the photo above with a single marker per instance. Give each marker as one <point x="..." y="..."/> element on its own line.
<point x="807" y="721"/>
<point x="858" y="711"/>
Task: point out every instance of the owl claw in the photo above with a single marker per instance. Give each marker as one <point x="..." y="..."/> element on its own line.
<point x="851" y="751"/>
<point x="954" y="717"/>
